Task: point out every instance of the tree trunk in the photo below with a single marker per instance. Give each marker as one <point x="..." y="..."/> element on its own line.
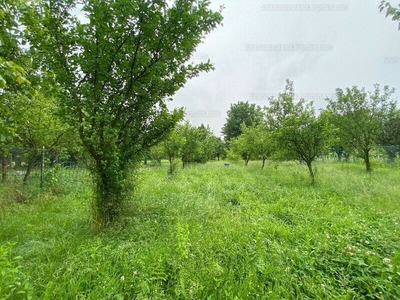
<point x="3" y="167"/>
<point x="111" y="189"/>
<point x="311" y="171"/>
<point x="263" y="163"/>
<point x="171" y="165"/>
<point x="367" y="161"/>
<point x="31" y="163"/>
<point x="246" y="160"/>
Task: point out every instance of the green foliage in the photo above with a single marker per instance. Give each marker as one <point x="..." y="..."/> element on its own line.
<point x="360" y="118"/>
<point x="394" y="12"/>
<point x="219" y="148"/>
<point x="260" y="140"/>
<point x="14" y="284"/>
<point x="242" y="147"/>
<point x="296" y="129"/>
<point x="116" y="72"/>
<point x="172" y="147"/>
<point x="239" y="113"/>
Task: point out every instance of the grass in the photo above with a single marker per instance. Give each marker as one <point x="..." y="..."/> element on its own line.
<point x="210" y="232"/>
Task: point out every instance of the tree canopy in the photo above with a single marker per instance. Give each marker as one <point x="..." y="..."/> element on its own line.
<point x="116" y="70"/>
<point x="360" y="117"/>
<point x="239" y="113"/>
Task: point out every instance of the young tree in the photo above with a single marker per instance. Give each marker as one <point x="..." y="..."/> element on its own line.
<point x="299" y="133"/>
<point x="206" y="144"/>
<point x="192" y="145"/>
<point x="117" y="68"/>
<point x="259" y="140"/>
<point x="239" y="113"/>
<point x="242" y="146"/>
<point x="390" y="137"/>
<point x="360" y="117"/>
<point x="218" y="149"/>
<point x="173" y="146"/>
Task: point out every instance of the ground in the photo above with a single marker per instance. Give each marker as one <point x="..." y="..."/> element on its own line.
<point x="210" y="232"/>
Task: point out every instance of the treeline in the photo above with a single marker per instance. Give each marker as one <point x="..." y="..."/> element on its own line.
<point x="355" y="123"/>
<point x="188" y="144"/>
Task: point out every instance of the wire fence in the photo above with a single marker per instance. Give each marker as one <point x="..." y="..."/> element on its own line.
<point x="37" y="166"/>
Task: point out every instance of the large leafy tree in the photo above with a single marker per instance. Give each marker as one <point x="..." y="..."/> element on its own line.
<point x="360" y="117"/>
<point x="239" y="113"/>
<point x="299" y="133"/>
<point x="117" y="68"/>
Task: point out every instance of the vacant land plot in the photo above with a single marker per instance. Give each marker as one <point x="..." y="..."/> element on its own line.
<point x="209" y="232"/>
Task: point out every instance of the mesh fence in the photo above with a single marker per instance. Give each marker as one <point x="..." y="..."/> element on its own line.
<point x="385" y="154"/>
<point x="36" y="165"/>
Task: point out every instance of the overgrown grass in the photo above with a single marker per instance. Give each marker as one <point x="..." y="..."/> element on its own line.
<point x="213" y="232"/>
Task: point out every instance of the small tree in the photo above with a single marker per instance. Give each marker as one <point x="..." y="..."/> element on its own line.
<point x="360" y="117"/>
<point x="390" y="138"/>
<point x="192" y="146"/>
<point x="173" y="146"/>
<point x="299" y="133"/>
<point x="218" y="148"/>
<point x="243" y="146"/>
<point x="260" y="141"/>
<point x="116" y="71"/>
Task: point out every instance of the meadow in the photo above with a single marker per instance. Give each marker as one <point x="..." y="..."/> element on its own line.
<point x="208" y="232"/>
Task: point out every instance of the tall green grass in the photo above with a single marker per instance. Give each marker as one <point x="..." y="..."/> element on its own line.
<point x="213" y="232"/>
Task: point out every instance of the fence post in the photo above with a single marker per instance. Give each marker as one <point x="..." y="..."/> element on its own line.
<point x="42" y="168"/>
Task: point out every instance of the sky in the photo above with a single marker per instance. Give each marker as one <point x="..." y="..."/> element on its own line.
<point x="319" y="45"/>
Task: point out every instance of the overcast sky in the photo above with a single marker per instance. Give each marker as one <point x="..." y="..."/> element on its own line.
<point x="319" y="45"/>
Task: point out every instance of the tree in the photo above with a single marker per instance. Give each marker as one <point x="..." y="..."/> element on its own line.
<point x="219" y="148"/>
<point x="39" y="128"/>
<point x="390" y="137"/>
<point x="299" y="133"/>
<point x="173" y="146"/>
<point x="394" y="12"/>
<point x="192" y="145"/>
<point x="12" y="70"/>
<point x="259" y="140"/>
<point x="239" y="113"/>
<point x="116" y="70"/>
<point x="360" y="117"/>
<point x="242" y="146"/>
<point x="206" y="144"/>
